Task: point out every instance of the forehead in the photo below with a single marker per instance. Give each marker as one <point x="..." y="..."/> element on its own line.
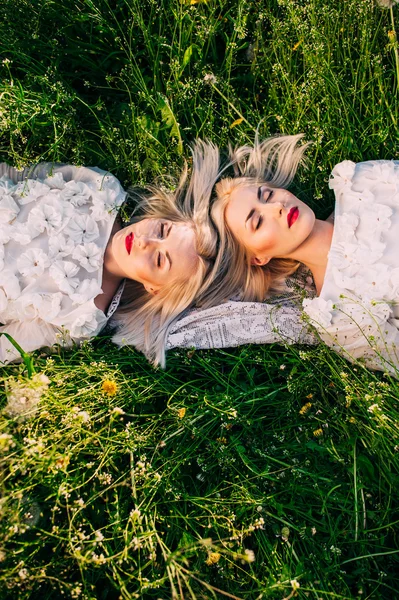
<point x="242" y="200"/>
<point x="181" y="246"/>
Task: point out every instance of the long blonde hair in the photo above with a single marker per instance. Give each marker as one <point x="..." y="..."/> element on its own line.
<point x="273" y="161"/>
<point x="143" y="320"/>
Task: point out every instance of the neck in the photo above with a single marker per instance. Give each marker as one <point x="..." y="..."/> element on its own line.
<point x="313" y="252"/>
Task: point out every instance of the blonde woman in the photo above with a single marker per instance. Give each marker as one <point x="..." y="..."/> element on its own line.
<point x="65" y="259"/>
<point x="267" y="231"/>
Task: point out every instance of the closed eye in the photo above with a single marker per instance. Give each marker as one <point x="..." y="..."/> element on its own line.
<point x="159" y="260"/>
<point x="162" y="231"/>
<point x="264" y="194"/>
<point x="259" y="223"/>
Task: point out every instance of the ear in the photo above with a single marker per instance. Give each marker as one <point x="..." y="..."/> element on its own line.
<point x="151" y="289"/>
<point x="259" y="261"/>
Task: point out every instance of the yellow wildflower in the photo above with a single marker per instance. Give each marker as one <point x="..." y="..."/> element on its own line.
<point x="213" y="558"/>
<point x="109" y="387"/>
<point x="318" y="432"/>
<point x="236" y="122"/>
<point x="181" y="412"/>
<point x="305" y="408"/>
<point x="296" y="46"/>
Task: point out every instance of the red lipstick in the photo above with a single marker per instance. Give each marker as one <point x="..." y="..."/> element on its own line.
<point x="292" y="216"/>
<point x="129" y="242"/>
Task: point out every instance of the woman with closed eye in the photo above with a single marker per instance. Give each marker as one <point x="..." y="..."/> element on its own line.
<point x="67" y="261"/>
<point x="266" y="232"/>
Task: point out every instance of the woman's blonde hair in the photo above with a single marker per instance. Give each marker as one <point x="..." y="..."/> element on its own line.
<point x="273" y="161"/>
<point x="143" y="320"/>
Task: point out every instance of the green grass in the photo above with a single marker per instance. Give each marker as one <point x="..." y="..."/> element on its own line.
<point x="287" y="452"/>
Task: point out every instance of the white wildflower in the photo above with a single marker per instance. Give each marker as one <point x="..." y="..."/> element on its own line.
<point x="387" y="3"/>
<point x="249" y="555"/>
<point x="210" y="79"/>
<point x="23" y="396"/>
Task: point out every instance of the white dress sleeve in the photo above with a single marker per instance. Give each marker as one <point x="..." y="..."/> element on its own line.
<point x="236" y="323"/>
<point x="30" y="335"/>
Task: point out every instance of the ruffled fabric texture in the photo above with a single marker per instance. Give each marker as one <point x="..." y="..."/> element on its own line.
<point x="357" y="310"/>
<point x="53" y="233"/>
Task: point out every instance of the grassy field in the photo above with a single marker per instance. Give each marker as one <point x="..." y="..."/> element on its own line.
<point x="259" y="472"/>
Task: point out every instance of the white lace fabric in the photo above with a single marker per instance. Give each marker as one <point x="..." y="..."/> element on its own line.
<point x="279" y="320"/>
<point x="55" y="223"/>
<point x="357" y="312"/>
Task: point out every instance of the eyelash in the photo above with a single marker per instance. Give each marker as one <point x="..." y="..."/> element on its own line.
<point x="159" y="260"/>
<point x="162" y="230"/>
<point x="260" y="220"/>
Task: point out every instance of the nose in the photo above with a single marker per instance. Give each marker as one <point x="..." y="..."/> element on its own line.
<point x="275" y="208"/>
<point x="145" y="241"/>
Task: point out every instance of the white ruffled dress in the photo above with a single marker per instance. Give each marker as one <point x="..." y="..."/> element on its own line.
<point x="55" y="223"/>
<point x="357" y="312"/>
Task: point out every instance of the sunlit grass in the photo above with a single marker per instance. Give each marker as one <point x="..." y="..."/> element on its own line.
<point x="258" y="472"/>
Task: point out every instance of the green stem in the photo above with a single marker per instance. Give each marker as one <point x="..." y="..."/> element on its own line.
<point x="395" y="47"/>
<point x="28" y="360"/>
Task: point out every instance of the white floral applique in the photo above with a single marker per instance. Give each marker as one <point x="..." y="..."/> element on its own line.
<point x="6" y="231"/>
<point x="105" y="205"/>
<point x="87" y="290"/>
<point x="341" y="176"/>
<point x="48" y="215"/>
<point x="89" y="256"/>
<point x="30" y="190"/>
<point x="59" y="246"/>
<point x="82" y="229"/>
<point x="375" y="220"/>
<point x="63" y="272"/>
<point x="6" y="185"/>
<point x="319" y="311"/>
<point x="367" y="312"/>
<point x="24" y="233"/>
<point x="84" y="326"/>
<point x="33" y="262"/>
<point x="10" y="284"/>
<point x="8" y="208"/>
<point x="347" y="225"/>
<point x="3" y="300"/>
<point x="44" y="306"/>
<point x="55" y="182"/>
<point x="394" y="284"/>
<point x="76" y="192"/>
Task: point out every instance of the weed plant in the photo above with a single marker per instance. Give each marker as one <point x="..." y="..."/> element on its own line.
<point x="258" y="472"/>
